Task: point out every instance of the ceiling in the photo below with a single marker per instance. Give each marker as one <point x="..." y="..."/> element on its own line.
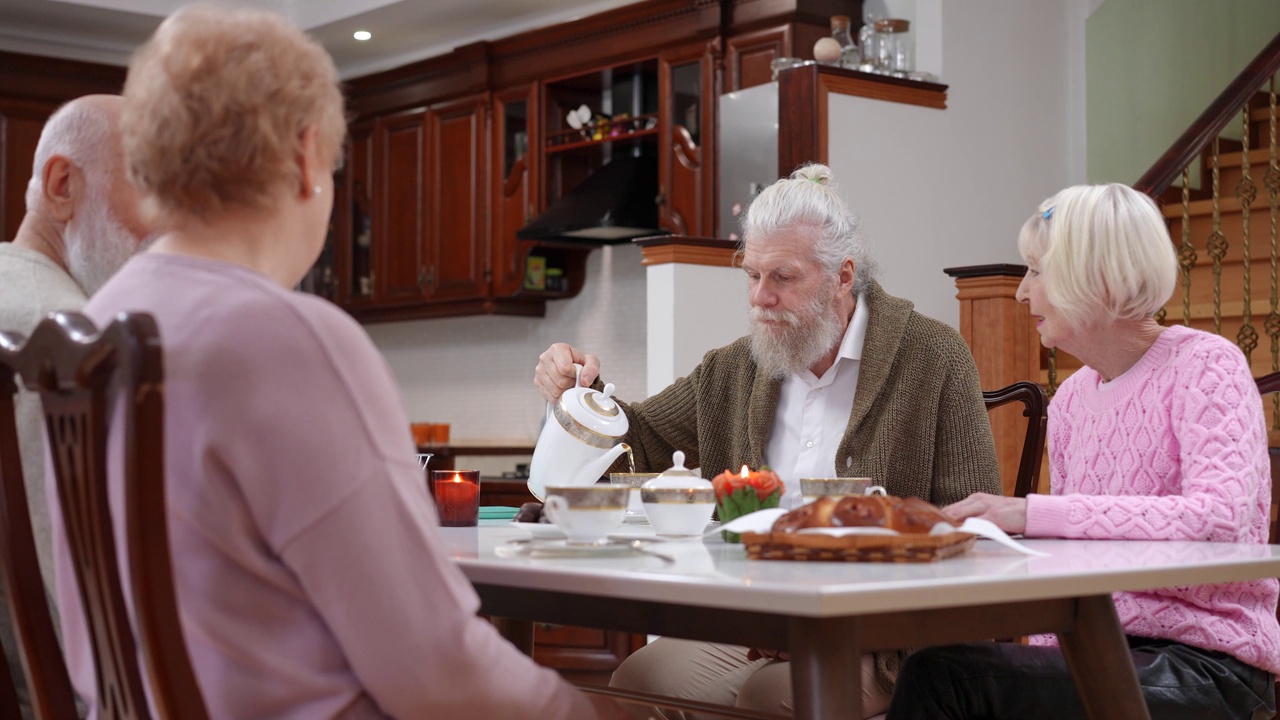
<point x="403" y="30"/>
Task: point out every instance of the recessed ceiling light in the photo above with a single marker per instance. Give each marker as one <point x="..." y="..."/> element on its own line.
<point x="362" y="35"/>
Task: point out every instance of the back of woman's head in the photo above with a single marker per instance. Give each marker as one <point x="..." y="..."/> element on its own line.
<point x="1101" y="250"/>
<point x="809" y="198"/>
<point x="215" y="107"/>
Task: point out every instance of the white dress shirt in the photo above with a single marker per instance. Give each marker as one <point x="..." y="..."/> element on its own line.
<point x="813" y="413"/>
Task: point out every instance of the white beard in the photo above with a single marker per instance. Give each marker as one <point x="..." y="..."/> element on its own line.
<point x="801" y="339"/>
<point x="97" y="245"/>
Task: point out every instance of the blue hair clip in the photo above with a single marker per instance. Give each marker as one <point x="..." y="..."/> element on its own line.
<point x="1048" y="213"/>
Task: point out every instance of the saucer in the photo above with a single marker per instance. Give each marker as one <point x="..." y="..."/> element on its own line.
<point x="541" y="531"/>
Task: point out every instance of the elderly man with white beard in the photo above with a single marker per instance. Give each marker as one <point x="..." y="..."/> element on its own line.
<point x="82" y="223"/>
<point x="836" y="379"/>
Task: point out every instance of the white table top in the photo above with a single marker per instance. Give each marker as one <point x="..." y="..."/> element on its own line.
<point x="714" y="574"/>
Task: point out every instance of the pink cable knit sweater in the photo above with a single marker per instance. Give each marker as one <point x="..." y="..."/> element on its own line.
<point x="1173" y="449"/>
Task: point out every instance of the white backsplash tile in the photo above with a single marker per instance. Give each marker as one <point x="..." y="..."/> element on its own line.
<point x="476" y="373"/>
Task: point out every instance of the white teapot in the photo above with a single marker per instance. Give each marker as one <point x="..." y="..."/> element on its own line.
<point x="579" y="440"/>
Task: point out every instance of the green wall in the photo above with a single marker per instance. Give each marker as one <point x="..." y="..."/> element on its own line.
<point x="1154" y="65"/>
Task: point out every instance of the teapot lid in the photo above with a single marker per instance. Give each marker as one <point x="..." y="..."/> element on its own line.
<point x="590" y="412"/>
<point x="677" y="476"/>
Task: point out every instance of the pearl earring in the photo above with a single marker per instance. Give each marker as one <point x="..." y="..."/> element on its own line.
<point x="316" y="190"/>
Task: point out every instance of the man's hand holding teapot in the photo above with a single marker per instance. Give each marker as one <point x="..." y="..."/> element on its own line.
<point x="554" y="373"/>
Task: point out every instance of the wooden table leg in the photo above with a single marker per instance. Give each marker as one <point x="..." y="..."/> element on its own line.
<point x="1100" y="662"/>
<point x="826" y="668"/>
<point x="517" y="632"/>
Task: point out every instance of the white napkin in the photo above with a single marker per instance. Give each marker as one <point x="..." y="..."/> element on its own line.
<point x="762" y="521"/>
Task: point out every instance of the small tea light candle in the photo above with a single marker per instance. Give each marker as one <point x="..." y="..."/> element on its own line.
<point x="457" y="494"/>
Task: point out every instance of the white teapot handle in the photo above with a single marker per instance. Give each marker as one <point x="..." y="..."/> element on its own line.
<point x="577" y="380"/>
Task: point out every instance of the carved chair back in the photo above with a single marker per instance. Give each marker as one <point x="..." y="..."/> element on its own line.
<point x="1036" y="410"/>
<point x="79" y="373"/>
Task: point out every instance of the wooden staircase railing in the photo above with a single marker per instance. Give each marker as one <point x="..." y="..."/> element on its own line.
<point x="1224" y="230"/>
<point x="1211" y="122"/>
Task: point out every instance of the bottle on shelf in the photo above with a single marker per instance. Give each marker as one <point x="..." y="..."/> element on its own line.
<point x="849" y="56"/>
<point x="869" y="45"/>
<point x="896" y="54"/>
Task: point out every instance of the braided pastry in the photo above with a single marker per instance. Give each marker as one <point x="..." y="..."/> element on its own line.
<point x="905" y="515"/>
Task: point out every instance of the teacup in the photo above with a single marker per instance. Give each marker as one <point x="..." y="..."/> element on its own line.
<point x="635" y="509"/>
<point x="586" y="514"/>
<point x="813" y="488"/>
<point x="676" y="511"/>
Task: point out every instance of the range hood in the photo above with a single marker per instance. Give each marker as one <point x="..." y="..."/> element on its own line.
<point x="615" y="204"/>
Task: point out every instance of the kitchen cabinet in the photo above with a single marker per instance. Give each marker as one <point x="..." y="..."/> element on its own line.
<point x="686" y="85"/>
<point x="513" y="185"/>
<point x="399" y="240"/>
<point x="410" y="210"/>
<point x="455" y="258"/>
<point x="449" y="157"/>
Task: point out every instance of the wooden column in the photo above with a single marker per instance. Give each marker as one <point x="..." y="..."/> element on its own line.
<point x="1002" y="337"/>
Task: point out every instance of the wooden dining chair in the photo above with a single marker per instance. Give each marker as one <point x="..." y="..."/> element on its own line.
<point x="78" y="373"/>
<point x="48" y="684"/>
<point x="9" y="706"/>
<point x="1036" y="410"/>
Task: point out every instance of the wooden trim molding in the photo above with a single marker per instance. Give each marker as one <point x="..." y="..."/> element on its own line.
<point x="687" y="250"/>
<point x="968" y="271"/>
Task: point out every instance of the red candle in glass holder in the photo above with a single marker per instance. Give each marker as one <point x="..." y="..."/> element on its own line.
<point x="457" y="494"/>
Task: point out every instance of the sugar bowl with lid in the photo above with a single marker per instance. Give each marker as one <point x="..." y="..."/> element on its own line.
<point x="678" y="502"/>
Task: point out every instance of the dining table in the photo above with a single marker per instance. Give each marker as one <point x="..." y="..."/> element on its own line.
<point x="827" y="614"/>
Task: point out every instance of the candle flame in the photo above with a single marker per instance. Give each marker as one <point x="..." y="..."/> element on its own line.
<point x="745" y="471"/>
<point x="457" y="478"/>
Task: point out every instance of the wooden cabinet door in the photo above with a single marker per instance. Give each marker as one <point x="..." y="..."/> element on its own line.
<point x="456" y="238"/>
<point x="686" y="165"/>
<point x="400" y="223"/>
<point x="20" y="126"/>
<point x="354" y="258"/>
<point x="750" y="56"/>
<point x="513" y="186"/>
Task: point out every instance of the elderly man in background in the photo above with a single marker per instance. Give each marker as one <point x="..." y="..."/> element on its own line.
<point x="82" y="224"/>
<point x="837" y="378"/>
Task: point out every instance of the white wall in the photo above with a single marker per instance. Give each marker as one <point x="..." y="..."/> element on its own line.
<point x="476" y="373"/>
<point x="940" y="188"/>
<point x="1164" y="61"/>
<point x="692" y="309"/>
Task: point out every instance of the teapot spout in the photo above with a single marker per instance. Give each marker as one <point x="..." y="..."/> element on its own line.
<point x="594" y="469"/>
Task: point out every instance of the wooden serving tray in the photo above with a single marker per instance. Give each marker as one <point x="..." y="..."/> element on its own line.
<point x="856" y="548"/>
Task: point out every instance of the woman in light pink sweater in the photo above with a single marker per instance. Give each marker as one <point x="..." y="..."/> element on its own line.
<point x="1160" y="436"/>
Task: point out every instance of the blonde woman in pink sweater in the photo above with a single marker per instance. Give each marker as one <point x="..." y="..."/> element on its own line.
<point x="1160" y="436"/>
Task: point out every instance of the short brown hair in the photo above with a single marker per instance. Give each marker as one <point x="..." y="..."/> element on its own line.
<point x="215" y="106"/>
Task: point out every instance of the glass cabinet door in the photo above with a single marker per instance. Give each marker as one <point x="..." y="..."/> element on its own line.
<point x="515" y="186"/>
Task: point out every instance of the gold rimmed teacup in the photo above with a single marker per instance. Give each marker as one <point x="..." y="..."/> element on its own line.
<point x="587" y="514"/>
<point x="813" y="488"/>
<point x="632" y="480"/>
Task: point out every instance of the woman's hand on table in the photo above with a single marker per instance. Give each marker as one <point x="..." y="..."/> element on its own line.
<point x="1008" y="513"/>
<point x="554" y="373"/>
<point x="757" y="653"/>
